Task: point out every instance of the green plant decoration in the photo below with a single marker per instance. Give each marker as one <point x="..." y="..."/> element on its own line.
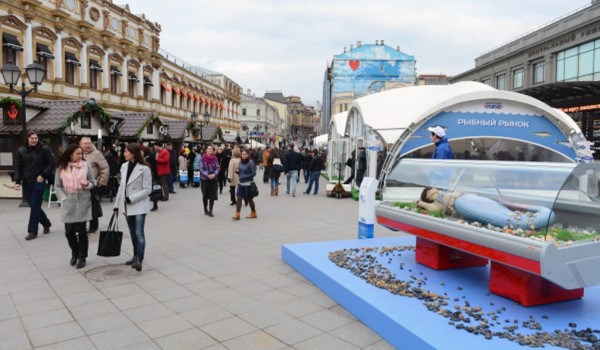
<point x="6" y="101"/>
<point x="151" y="119"/>
<point x="89" y="107"/>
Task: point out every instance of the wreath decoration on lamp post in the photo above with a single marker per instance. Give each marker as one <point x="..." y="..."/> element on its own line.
<point x="89" y="107"/>
<point x="7" y="101"/>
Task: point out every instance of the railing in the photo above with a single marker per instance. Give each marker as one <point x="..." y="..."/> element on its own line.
<point x="199" y="71"/>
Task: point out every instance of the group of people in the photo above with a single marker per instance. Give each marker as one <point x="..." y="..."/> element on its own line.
<point x="81" y="169"/>
<point x="290" y="163"/>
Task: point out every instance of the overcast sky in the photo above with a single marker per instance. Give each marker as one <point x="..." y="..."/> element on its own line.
<point x="286" y="45"/>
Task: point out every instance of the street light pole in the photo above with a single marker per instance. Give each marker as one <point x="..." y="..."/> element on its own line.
<point x="201" y="124"/>
<point x="11" y="74"/>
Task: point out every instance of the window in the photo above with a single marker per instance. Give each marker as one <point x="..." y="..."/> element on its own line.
<point x="258" y="112"/>
<point x="10" y="46"/>
<point x="501" y="82"/>
<point x="147" y="86"/>
<point x="150" y="128"/>
<point x="115" y="77"/>
<point x="173" y="98"/>
<point x="71" y="63"/>
<point x="487" y="81"/>
<point x="243" y="111"/>
<point x="131" y="84"/>
<point x="86" y="121"/>
<point x="43" y="55"/>
<point x="518" y="78"/>
<point x="580" y="63"/>
<point x="538" y="72"/>
<point x="95" y="69"/>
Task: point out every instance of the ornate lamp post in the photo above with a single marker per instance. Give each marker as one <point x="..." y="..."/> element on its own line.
<point x="11" y="74"/>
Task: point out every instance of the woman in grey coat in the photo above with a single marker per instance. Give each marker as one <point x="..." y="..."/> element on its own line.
<point x="133" y="200"/>
<point x="73" y="181"/>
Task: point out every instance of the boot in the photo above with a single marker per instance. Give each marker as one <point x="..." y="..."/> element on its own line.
<point x="73" y="260"/>
<point x="272" y="192"/>
<point x="130" y="261"/>
<point x="137" y="263"/>
<point x="210" y="208"/>
<point x="80" y="263"/>
<point x="252" y="215"/>
<point x="276" y="191"/>
<point x="236" y="216"/>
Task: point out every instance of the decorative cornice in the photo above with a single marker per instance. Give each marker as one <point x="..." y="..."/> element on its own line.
<point x="96" y="50"/>
<point x="45" y="32"/>
<point x="73" y="42"/>
<point x="12" y="21"/>
<point x="132" y="62"/>
<point x="59" y="15"/>
<point x="148" y="69"/>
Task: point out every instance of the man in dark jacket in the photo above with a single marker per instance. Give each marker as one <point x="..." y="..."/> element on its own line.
<point x="173" y="166"/>
<point x="292" y="162"/>
<point x="361" y="166"/>
<point x="34" y="167"/>
<point x="315" y="167"/>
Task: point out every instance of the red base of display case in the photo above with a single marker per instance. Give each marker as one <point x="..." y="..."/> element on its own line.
<point x="441" y="257"/>
<point x="526" y="288"/>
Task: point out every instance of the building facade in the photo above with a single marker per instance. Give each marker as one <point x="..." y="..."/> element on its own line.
<point x="96" y="49"/>
<point x="558" y="64"/>
<point x="259" y="120"/>
<point x="362" y="70"/>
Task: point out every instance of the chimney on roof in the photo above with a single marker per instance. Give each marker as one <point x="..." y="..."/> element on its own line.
<point x="376" y="42"/>
<point x="381" y="41"/>
<point x="358" y="44"/>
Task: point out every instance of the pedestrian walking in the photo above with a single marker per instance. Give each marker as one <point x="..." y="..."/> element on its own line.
<point x="246" y="171"/>
<point x="209" y="172"/>
<point x="275" y="168"/>
<point x="34" y="167"/>
<point x="150" y="158"/>
<point x="173" y="162"/>
<point x="361" y="166"/>
<point x="133" y="200"/>
<point x="442" y="147"/>
<point x="73" y="181"/>
<point x="292" y="162"/>
<point x="265" y="162"/>
<point x="100" y="168"/>
<point x="183" y="166"/>
<point x="315" y="167"/>
<point x="163" y="167"/>
<point x="232" y="174"/>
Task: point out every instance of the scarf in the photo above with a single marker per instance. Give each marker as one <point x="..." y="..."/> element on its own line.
<point x="209" y="159"/>
<point x="72" y="176"/>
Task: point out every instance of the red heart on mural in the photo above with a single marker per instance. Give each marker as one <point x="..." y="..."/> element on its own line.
<point x="354" y="64"/>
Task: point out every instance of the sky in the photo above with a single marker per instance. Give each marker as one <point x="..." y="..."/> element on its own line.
<point x="269" y="45"/>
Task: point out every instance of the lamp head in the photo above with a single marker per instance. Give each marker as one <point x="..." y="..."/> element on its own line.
<point x="11" y="74"/>
<point x="194" y="117"/>
<point x="35" y="73"/>
<point x="206" y="117"/>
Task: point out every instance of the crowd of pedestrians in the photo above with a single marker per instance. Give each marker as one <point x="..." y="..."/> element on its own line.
<point x="142" y="174"/>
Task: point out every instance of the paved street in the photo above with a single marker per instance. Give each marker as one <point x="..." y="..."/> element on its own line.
<point x="207" y="283"/>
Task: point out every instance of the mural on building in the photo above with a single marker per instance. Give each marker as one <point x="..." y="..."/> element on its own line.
<point x="359" y="69"/>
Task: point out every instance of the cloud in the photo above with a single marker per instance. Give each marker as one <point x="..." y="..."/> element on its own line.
<point x="274" y="45"/>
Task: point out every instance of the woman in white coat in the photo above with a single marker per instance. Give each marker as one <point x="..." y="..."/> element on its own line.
<point x="133" y="200"/>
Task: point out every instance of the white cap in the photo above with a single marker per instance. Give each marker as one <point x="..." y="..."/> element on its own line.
<point x="438" y="130"/>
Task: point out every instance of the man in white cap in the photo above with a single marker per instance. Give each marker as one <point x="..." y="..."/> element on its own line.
<point x="442" y="147"/>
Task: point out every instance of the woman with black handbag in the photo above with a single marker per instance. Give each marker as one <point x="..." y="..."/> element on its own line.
<point x="246" y="171"/>
<point x="74" y="180"/>
<point x="133" y="200"/>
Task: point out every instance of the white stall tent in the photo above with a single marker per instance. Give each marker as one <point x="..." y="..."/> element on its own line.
<point x="320" y="140"/>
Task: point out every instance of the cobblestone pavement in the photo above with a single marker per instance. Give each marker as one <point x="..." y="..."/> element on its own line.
<point x="207" y="283"/>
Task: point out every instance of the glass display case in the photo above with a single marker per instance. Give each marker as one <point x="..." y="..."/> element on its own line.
<point x="534" y="221"/>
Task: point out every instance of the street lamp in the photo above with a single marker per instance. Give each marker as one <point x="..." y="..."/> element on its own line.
<point x="201" y="124"/>
<point x="11" y="74"/>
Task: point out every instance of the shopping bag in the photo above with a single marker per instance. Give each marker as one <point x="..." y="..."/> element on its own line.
<point x="157" y="192"/>
<point x="110" y="240"/>
<point x="197" y="176"/>
<point x="183" y="176"/>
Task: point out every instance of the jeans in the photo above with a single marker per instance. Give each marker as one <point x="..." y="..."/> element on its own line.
<point x="77" y="238"/>
<point x="314" y="177"/>
<point x="171" y="180"/>
<point x="34" y="194"/>
<point x="274" y="182"/>
<point x="293" y="177"/>
<point x="136" y="231"/>
<point x="306" y="174"/>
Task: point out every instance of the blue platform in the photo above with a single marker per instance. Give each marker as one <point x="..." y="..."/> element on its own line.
<point x="406" y="323"/>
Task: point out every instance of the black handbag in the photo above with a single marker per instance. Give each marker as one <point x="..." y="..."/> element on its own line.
<point x="253" y="189"/>
<point x="96" y="206"/>
<point x="157" y="192"/>
<point x="110" y="240"/>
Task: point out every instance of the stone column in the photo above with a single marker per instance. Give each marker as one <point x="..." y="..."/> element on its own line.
<point x="141" y="80"/>
<point x="28" y="48"/>
<point x="125" y="77"/>
<point x="84" y="65"/>
<point x="105" y="71"/>
<point x="59" y="58"/>
<point x="156" y="86"/>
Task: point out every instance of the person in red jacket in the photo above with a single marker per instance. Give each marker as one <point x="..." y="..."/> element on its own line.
<point x="163" y="167"/>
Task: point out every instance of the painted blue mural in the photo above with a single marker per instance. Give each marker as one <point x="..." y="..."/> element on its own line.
<point x="366" y="68"/>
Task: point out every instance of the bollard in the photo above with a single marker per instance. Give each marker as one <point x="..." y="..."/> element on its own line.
<point x="366" y="207"/>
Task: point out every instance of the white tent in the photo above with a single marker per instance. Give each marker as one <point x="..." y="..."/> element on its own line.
<point x="320" y="140"/>
<point x="255" y="144"/>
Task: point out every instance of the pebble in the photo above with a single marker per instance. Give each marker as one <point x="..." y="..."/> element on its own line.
<point x="364" y="264"/>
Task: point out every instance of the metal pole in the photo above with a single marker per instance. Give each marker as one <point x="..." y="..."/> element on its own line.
<point x="23" y="93"/>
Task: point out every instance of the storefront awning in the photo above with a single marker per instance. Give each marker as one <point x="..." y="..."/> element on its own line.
<point x="177" y="92"/>
<point x="94" y="65"/>
<point x="165" y="86"/>
<point x="115" y="71"/>
<point x="11" y="41"/>
<point x="71" y="58"/>
<point x="132" y="76"/>
<point x="147" y="81"/>
<point x="43" y="51"/>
